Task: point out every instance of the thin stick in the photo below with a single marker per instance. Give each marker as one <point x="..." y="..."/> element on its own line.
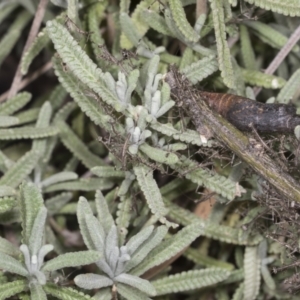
<point x="29" y="79"/>
<point x="38" y="18"/>
<point x="281" y="55"/>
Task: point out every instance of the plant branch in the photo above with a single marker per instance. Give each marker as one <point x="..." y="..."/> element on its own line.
<point x="207" y="122"/>
<point x="32" y="34"/>
<point x="27" y="80"/>
<point x="281" y="55"/>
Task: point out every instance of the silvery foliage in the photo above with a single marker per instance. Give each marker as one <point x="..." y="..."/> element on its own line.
<point x="33" y="253"/>
<point x="32" y="266"/>
<point x="34" y="262"/>
<point x="101" y="234"/>
<point x="155" y="98"/>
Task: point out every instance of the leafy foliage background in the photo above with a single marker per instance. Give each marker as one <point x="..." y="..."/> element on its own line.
<point x="95" y="154"/>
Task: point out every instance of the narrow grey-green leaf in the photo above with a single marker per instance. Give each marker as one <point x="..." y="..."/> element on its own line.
<point x="170" y="247"/>
<point x="201" y="69"/>
<point x="23" y="167"/>
<point x="181" y="21"/>
<point x="190" y="280"/>
<point x="7" y="121"/>
<point x="88" y="105"/>
<point x="141" y="284"/>
<point x="83" y="210"/>
<point x="103" y="214"/>
<point x="37" y="292"/>
<point x="14" y="104"/>
<point x="131" y="293"/>
<point x="75" y="259"/>
<point x="8" y="248"/>
<point x="286" y="7"/>
<point x="252" y="273"/>
<point x="64" y="293"/>
<point x="224" y="58"/>
<point x="12" y="265"/>
<point x="148" y="185"/>
<point x="84" y="184"/>
<point x="59" y="177"/>
<point x="13" y="34"/>
<point x="92" y="281"/>
<point x="152" y="242"/>
<point x="31" y="202"/>
<point x="12" y="288"/>
<point x="77" y="147"/>
<point x="27" y="132"/>
<point x="37" y="232"/>
<point x="79" y="63"/>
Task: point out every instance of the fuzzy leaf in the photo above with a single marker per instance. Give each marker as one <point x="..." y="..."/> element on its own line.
<point x="190" y="280"/>
<point x="159" y="155"/>
<point x="148" y="185"/>
<point x="84" y="184"/>
<point x="224" y="58"/>
<point x="107" y="172"/>
<point x="40" y="42"/>
<point x="11" y="37"/>
<point x="289" y="90"/>
<point x="37" y="292"/>
<point x="84" y="210"/>
<point x="153" y="241"/>
<point x="137" y="25"/>
<point x="59" y="177"/>
<point x="27" y="132"/>
<point x="8" y="248"/>
<point x="12" y="265"/>
<point x="14" y="104"/>
<point x="23" y="167"/>
<point x="252" y="273"/>
<point x="267" y="81"/>
<point x="269" y="35"/>
<point x="217" y="183"/>
<point x="75" y="259"/>
<point x="92" y="281"/>
<point x="88" y="105"/>
<point x="247" y="51"/>
<point x="131" y="293"/>
<point x="31" y="202"/>
<point x="10" y="289"/>
<point x="170" y="247"/>
<point x="203" y="260"/>
<point x="124" y="215"/>
<point x="200" y="69"/>
<point x="141" y="284"/>
<point x="96" y="233"/>
<point x="96" y="14"/>
<point x="79" y="63"/>
<point x="7" y="121"/>
<point x="28" y="116"/>
<point x="137" y="240"/>
<point x="239" y="292"/>
<point x="182" y="23"/>
<point x="285" y="7"/>
<point x="104" y="215"/>
<point x="37" y="232"/>
<point x="7" y="203"/>
<point x="188" y="136"/>
<point x="77" y="147"/>
<point x="156" y="22"/>
<point x="103" y="294"/>
<point x="64" y="293"/>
